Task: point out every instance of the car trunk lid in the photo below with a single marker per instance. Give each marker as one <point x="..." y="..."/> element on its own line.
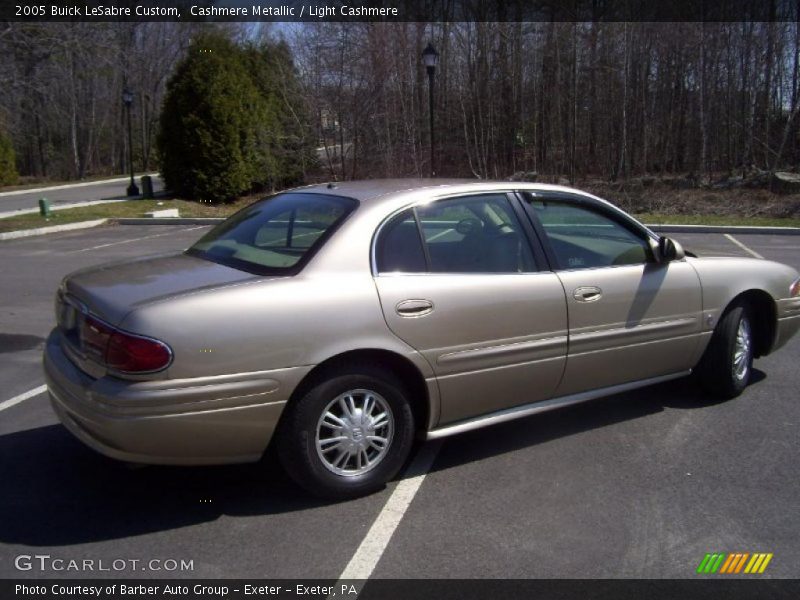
<point x="111" y="291"/>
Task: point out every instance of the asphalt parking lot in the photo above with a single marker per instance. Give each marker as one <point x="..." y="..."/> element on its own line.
<point x="638" y="485"/>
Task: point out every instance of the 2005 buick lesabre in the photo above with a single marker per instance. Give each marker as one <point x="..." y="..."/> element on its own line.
<point x="341" y="320"/>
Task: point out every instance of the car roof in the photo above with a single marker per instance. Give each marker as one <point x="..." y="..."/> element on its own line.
<point x="378" y="191"/>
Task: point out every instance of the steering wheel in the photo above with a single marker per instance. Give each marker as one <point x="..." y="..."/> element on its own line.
<point x="469" y="226"/>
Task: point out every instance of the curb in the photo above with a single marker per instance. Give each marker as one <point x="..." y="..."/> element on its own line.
<point x="57" y="207"/>
<point x="168" y="220"/>
<point x="35" y="211"/>
<point x="13" y="235"/>
<point x="745" y="229"/>
<point x="66" y="186"/>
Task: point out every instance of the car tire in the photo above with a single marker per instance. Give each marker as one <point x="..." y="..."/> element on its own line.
<point x="348" y="434"/>
<point x="727" y="363"/>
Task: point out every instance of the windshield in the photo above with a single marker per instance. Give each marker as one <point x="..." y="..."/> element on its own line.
<point x="277" y="235"/>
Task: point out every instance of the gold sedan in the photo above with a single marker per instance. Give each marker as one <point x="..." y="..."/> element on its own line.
<point x="343" y="320"/>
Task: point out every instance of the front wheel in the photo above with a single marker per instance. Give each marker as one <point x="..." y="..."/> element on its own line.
<point x="726" y="366"/>
<point x="348" y="435"/>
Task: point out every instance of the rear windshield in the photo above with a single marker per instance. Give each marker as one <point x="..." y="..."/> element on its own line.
<point x="277" y="235"/>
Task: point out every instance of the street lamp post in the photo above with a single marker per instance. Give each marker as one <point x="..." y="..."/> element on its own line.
<point x="430" y="57"/>
<point x="127" y="98"/>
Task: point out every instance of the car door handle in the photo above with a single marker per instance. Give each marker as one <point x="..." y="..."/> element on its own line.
<point x="414" y="308"/>
<point x="587" y="294"/>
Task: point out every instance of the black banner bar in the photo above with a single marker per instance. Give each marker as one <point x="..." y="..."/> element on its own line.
<point x="729" y="588"/>
<point x="397" y="10"/>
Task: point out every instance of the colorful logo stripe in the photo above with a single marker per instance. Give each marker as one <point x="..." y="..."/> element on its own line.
<point x="734" y="562"/>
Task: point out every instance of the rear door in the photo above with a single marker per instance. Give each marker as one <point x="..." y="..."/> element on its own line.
<point x="630" y="318"/>
<point x="459" y="281"/>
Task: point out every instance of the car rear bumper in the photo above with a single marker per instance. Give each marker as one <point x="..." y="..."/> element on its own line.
<point x="208" y="420"/>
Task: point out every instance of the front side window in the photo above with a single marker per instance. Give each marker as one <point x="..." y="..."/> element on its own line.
<point x="475" y="234"/>
<point x="583" y="238"/>
<point x="276" y="235"/>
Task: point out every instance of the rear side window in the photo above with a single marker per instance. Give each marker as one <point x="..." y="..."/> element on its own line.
<point x="276" y="235"/>
<point x="399" y="247"/>
<point x="473" y="234"/>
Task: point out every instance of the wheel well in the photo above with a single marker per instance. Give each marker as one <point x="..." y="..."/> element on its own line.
<point x="405" y="371"/>
<point x="764" y="315"/>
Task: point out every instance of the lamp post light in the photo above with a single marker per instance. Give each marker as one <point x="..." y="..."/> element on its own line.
<point x="430" y="57"/>
<point x="127" y="99"/>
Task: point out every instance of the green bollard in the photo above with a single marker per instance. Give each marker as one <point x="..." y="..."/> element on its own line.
<point x="147" y="186"/>
<point x="44" y="207"/>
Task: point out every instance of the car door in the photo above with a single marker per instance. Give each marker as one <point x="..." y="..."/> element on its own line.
<point x="630" y="317"/>
<point x="460" y="282"/>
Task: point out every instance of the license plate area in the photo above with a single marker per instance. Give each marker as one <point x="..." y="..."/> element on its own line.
<point x="70" y="314"/>
<point x="70" y="317"/>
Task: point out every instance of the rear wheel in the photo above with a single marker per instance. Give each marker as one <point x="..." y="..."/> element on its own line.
<point x="348" y="435"/>
<point x="725" y="368"/>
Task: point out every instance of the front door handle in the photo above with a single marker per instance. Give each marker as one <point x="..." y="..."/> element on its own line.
<point x="414" y="308"/>
<point x="587" y="294"/>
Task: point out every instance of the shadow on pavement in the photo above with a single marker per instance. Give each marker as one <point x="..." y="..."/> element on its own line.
<point x="57" y="492"/>
<point x="544" y="427"/>
<point x="17" y="342"/>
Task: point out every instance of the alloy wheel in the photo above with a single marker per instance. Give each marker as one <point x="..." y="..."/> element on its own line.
<point x="354" y="432"/>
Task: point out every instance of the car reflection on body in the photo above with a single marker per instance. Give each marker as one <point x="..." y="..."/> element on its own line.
<point x="340" y="321"/>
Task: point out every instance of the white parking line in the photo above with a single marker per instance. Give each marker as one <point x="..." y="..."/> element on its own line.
<point x="22" y="397"/>
<point x="147" y="237"/>
<point x="440" y="234"/>
<point x="372" y="547"/>
<point x="742" y="246"/>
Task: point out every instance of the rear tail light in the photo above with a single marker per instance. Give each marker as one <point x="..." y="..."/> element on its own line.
<point x="794" y="289"/>
<point x="122" y="351"/>
<point x="94" y="337"/>
<point x="135" y="354"/>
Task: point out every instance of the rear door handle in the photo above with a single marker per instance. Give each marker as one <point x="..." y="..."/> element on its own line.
<point x="587" y="294"/>
<point x="414" y="308"/>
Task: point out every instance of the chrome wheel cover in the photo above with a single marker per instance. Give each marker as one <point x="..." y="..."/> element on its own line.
<point x="742" y="349"/>
<point x="354" y="432"/>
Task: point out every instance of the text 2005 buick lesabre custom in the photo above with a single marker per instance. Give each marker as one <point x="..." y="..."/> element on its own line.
<point x="342" y="320"/>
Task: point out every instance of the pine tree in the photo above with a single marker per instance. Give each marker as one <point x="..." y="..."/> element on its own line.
<point x="209" y="129"/>
<point x="287" y="151"/>
<point x="8" y="166"/>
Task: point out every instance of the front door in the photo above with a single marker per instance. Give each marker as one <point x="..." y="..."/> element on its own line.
<point x="630" y="318"/>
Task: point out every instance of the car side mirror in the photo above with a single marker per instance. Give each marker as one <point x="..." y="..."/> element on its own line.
<point x="667" y="250"/>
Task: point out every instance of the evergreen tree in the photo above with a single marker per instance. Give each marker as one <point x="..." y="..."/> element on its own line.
<point x="209" y="129"/>
<point x="8" y="166"/>
<point x="287" y="149"/>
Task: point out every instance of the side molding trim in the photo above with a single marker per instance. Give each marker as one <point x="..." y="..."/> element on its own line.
<point x="526" y="410"/>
